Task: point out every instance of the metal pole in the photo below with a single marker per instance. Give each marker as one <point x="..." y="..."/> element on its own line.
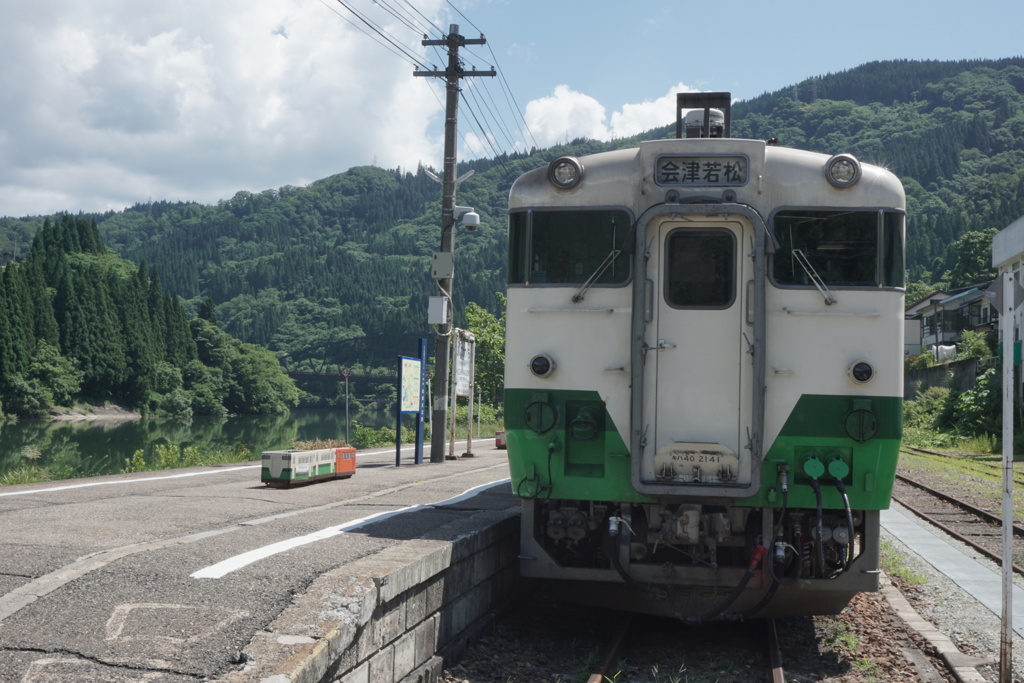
<point x="471" y="340"/>
<point x="1006" y="327"/>
<point x="454" y="398"/>
<point x="345" y="372"/>
<point x="418" y="459"/>
<point x="453" y="41"/>
<point x="444" y="332"/>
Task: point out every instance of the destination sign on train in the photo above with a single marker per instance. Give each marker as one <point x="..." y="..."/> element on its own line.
<point x="701" y="171"/>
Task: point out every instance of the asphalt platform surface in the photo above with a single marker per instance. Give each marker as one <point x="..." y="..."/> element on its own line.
<point x="166" y="576"/>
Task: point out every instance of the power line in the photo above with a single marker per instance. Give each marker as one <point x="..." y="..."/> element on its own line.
<point x="435" y="26"/>
<point x="411" y="18"/>
<point x="495" y="112"/>
<point x="508" y="95"/>
<point x="409" y="56"/>
<point x="501" y="77"/>
<point x="387" y="46"/>
<point x="459" y="12"/>
<point x="400" y="16"/>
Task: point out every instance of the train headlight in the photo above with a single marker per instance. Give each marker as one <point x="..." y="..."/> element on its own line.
<point x="542" y="365"/>
<point x="861" y="372"/>
<point x="565" y="172"/>
<point x="842" y="170"/>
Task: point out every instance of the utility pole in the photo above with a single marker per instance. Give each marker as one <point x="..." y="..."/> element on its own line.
<point x="453" y="41"/>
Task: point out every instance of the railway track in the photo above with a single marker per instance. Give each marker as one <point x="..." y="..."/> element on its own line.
<point x="775" y="672"/>
<point x="983" y="465"/>
<point x="748" y="647"/>
<point x="978" y="528"/>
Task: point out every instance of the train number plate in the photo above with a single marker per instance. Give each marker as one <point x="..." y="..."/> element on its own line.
<point x="696" y="463"/>
<point x="694" y="171"/>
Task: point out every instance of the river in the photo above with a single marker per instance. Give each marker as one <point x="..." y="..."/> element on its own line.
<point x="87" y="448"/>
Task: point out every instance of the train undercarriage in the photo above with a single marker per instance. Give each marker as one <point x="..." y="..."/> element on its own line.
<point x="700" y="561"/>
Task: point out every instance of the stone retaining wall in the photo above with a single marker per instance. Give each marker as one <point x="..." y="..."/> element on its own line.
<point x="393" y="617"/>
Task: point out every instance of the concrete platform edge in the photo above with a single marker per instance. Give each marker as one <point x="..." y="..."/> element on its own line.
<point x="392" y="617"/>
<point x="960" y="665"/>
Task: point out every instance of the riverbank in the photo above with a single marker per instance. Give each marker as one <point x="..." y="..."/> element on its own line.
<point x="106" y="413"/>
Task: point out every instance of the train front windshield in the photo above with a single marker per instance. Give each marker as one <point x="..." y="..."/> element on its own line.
<point x="844" y="248"/>
<point x="568" y="247"/>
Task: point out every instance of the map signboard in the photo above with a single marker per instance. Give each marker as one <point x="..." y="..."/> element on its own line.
<point x="411" y="373"/>
<point x="462" y="365"/>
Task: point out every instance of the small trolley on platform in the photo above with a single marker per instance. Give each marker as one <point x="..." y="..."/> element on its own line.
<point x="282" y="469"/>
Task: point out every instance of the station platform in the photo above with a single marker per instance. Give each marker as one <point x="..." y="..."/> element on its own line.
<point x="205" y="573"/>
<point x="976" y="578"/>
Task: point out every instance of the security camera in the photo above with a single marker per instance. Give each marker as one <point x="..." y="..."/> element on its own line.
<point x="471" y="220"/>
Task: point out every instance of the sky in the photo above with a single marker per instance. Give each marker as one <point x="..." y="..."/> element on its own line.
<point x="109" y="103"/>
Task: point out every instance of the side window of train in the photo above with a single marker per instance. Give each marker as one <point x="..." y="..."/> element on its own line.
<point x="845" y="248"/>
<point x="568" y="247"/>
<point x="700" y="268"/>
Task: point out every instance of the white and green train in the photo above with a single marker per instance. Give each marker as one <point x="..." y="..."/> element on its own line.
<point x="704" y="371"/>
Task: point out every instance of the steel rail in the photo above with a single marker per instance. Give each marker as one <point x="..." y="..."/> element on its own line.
<point x="612" y="650"/>
<point x="774" y="653"/>
<point x="991" y="465"/>
<point x="984" y="514"/>
<point x="957" y="535"/>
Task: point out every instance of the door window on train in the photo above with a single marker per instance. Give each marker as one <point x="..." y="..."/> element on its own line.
<point x="568" y="247"/>
<point x="700" y="268"/>
<point x="845" y="248"/>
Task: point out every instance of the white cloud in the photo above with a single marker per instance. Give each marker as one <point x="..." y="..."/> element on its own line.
<point x="109" y="102"/>
<point x="637" y="118"/>
<point x="567" y="114"/>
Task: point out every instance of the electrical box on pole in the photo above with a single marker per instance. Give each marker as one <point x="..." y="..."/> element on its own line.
<point x="452" y="74"/>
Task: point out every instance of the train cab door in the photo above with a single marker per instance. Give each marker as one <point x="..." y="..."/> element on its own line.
<point x="697" y="373"/>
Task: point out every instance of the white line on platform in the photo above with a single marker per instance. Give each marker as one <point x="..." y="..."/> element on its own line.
<point x="129" y="481"/>
<point x="231" y="564"/>
<point x="376" y="451"/>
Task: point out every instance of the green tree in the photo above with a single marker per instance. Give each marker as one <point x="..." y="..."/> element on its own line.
<point x="253" y="381"/>
<point x="489" y="331"/>
<point x="974" y="344"/>
<point x="55" y="373"/>
<point x="25" y="398"/>
<point x="208" y="310"/>
<point x="974" y="259"/>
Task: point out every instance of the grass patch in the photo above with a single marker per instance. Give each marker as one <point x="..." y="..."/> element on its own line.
<point x="870" y="670"/>
<point x="837" y="635"/>
<point x="893" y="564"/>
<point x="952" y="467"/>
<point x="26" y="474"/>
<point x="165" y="457"/>
<point x="318" y="444"/>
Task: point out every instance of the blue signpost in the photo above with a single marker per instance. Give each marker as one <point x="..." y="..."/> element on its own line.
<point x="411" y="394"/>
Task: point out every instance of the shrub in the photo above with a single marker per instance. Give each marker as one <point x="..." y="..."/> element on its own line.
<point x="927" y="409"/>
<point x="979" y="410"/>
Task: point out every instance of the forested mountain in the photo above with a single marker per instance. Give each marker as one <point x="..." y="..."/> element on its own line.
<point x="77" y="323"/>
<point x="952" y="131"/>
<point x="338" y="271"/>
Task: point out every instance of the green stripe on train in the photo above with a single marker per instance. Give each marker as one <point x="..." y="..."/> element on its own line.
<point x="860" y="435"/>
<point x="563" y="444"/>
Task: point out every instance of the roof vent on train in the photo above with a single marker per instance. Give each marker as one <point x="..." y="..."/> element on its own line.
<point x="711" y="116"/>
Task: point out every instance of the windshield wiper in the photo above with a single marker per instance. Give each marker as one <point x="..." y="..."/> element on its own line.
<point x="608" y="260"/>
<point x="815" y="278"/>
